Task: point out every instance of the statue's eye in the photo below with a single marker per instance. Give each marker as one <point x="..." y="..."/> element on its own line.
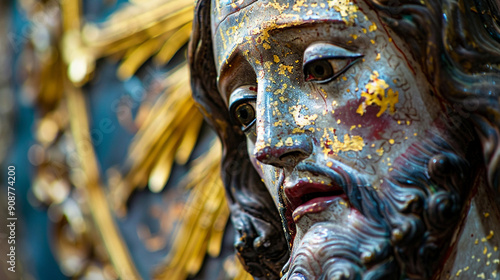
<point x="325" y="70"/>
<point x="242" y="106"/>
<point x="324" y="62"/>
<point x="318" y="70"/>
<point x="245" y="114"/>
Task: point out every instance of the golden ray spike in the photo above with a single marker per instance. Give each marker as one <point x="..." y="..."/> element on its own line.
<point x="176" y="111"/>
<point x="161" y="170"/>
<point x="71" y="15"/>
<point x="177" y="82"/>
<point x="173" y="44"/>
<point x="185" y="235"/>
<point x="116" y="35"/>
<point x="206" y="213"/>
<point x="134" y="18"/>
<point x="138" y="56"/>
<point x="177" y="20"/>
<point x="143" y="27"/>
<point x="189" y="140"/>
<point x="50" y="88"/>
<point x="160" y="132"/>
<point x="166" y="140"/>
<point x="90" y="185"/>
<point x="213" y="203"/>
<point x="160" y="173"/>
<point x="209" y="163"/>
<point x="218" y="228"/>
<point x="174" y="101"/>
<point x="171" y="118"/>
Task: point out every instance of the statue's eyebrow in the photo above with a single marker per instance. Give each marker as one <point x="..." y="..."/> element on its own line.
<point x="233" y="53"/>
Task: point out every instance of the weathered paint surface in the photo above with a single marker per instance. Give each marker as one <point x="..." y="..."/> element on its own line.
<point x="340" y="110"/>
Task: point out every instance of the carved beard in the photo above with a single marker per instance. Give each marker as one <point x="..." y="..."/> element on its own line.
<point x="401" y="231"/>
<point x="349" y="243"/>
<point x="331" y="250"/>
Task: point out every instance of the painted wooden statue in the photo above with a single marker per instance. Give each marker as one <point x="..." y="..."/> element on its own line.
<point x="360" y="138"/>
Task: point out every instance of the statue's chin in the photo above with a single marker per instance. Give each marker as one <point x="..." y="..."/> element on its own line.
<point x="339" y="243"/>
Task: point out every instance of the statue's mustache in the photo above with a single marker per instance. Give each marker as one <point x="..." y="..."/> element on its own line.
<point x="360" y="193"/>
<point x="360" y="249"/>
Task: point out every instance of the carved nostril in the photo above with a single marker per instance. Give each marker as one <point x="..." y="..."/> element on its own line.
<point x="292" y="157"/>
<point x="285" y="155"/>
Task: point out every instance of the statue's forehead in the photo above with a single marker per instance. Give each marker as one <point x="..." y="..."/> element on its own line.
<point x="223" y="8"/>
<point x="237" y="22"/>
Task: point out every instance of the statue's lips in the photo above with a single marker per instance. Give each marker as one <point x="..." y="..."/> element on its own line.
<point x="311" y="187"/>
<point x="311" y="197"/>
<point x="316" y="205"/>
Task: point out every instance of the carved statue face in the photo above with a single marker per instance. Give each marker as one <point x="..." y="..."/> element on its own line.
<point x="318" y="88"/>
<point x="321" y="91"/>
<point x="365" y="160"/>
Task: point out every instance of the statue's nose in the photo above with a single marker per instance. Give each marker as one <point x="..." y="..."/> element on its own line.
<point x="281" y="140"/>
<point x="285" y="151"/>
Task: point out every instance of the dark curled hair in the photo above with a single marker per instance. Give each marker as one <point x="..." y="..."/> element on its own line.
<point x="457" y="44"/>
<point x="260" y="242"/>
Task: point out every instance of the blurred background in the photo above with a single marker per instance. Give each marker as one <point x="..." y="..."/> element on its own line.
<point x="117" y="175"/>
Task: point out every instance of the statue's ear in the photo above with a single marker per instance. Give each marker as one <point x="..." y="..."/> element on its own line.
<point x="260" y="241"/>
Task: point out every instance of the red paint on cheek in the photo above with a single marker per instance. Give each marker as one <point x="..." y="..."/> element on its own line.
<point x="372" y="127"/>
